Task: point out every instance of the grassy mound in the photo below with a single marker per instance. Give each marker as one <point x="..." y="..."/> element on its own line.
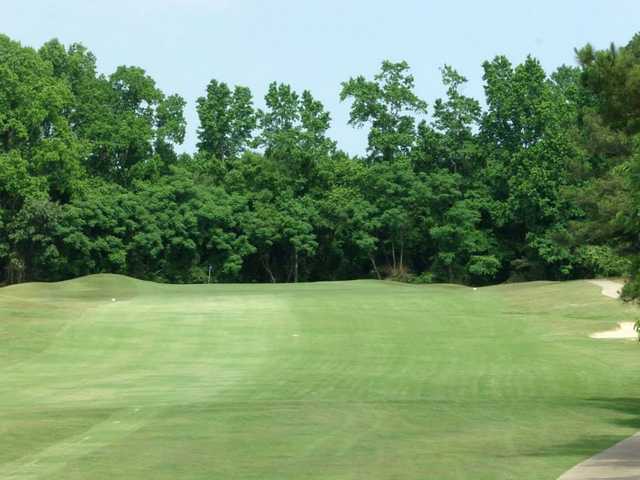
<point x="348" y="380"/>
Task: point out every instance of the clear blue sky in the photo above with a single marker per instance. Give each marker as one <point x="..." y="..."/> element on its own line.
<point x="316" y="44"/>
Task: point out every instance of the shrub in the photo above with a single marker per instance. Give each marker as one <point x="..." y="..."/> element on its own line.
<point x="602" y="260"/>
<point x="423" y="278"/>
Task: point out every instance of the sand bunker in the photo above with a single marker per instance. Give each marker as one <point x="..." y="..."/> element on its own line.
<point x="624" y="330"/>
<point x="622" y="460"/>
<point x="609" y="287"/>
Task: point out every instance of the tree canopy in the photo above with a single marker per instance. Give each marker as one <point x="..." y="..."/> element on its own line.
<point x="540" y="179"/>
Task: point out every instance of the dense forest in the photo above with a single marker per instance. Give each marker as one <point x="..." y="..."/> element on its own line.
<point x="539" y="181"/>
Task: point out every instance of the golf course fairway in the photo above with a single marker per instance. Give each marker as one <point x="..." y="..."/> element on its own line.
<point x="107" y="377"/>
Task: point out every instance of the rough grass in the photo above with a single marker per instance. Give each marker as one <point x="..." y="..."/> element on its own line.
<point x="350" y="380"/>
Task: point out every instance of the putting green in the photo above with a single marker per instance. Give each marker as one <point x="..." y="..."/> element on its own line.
<point x="346" y="380"/>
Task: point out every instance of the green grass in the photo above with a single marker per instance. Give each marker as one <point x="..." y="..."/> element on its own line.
<point x="350" y="380"/>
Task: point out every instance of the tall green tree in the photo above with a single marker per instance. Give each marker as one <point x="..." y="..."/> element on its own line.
<point x="227" y="120"/>
<point x="542" y="183"/>
<point x="612" y="76"/>
<point x="527" y="154"/>
<point x="293" y="132"/>
<point x="387" y="104"/>
<point x="125" y="123"/>
<point x="450" y="141"/>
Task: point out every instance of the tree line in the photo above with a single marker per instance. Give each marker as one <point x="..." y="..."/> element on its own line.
<point x="541" y="181"/>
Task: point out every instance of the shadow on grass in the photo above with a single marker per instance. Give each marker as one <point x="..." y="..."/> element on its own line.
<point x="591" y="444"/>
<point x="628" y="406"/>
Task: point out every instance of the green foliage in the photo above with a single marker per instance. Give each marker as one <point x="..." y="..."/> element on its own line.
<point x="528" y="155"/>
<point x="450" y="142"/>
<point x="612" y="76"/>
<point x="387" y="103"/>
<point x="483" y="268"/>
<point x="542" y="183"/>
<point x="423" y="279"/>
<point x="227" y="120"/>
<point x="603" y="261"/>
<point x="631" y="291"/>
<point x="294" y="133"/>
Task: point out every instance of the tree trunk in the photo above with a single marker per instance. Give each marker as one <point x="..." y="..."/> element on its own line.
<point x="7" y="139"/>
<point x="295" y="265"/>
<point x="375" y="267"/>
<point x="393" y="256"/>
<point x="16" y="270"/>
<point x="265" y="264"/>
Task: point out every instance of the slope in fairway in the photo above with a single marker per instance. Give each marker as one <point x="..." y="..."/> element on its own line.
<point x="349" y="380"/>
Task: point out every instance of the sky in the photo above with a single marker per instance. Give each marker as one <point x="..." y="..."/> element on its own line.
<point x="317" y="44"/>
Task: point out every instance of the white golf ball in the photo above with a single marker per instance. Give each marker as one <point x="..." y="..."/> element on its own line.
<point x="113" y="299"/>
